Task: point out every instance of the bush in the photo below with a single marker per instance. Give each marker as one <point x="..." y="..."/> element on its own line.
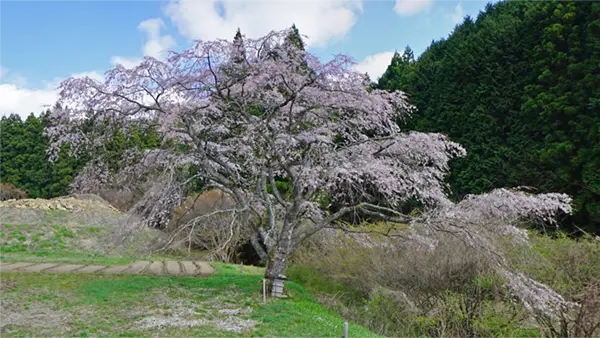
<point x="394" y="264"/>
<point x="566" y="265"/>
<point x="572" y="268"/>
<point x="406" y="289"/>
<point x="587" y="323"/>
<point x="121" y="199"/>
<point x="9" y="191"/>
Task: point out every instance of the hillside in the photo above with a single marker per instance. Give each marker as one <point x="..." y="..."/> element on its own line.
<point x="519" y="88"/>
<point x="81" y="228"/>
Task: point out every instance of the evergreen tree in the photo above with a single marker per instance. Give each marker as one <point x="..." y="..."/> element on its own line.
<point x="519" y="88"/>
<point x="24" y="162"/>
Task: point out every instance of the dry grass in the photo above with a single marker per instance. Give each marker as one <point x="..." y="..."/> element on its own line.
<point x="52" y="235"/>
<point x="10" y="191"/>
<point x="411" y="289"/>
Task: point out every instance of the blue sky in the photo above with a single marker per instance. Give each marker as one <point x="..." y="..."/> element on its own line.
<point x="43" y="42"/>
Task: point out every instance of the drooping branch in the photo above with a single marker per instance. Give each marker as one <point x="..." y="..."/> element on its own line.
<point x="279" y="112"/>
<point x="378" y="212"/>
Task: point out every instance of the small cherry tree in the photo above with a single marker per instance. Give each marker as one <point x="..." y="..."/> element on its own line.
<point x="249" y="113"/>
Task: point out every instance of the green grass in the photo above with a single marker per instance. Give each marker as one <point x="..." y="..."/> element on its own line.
<point x="51" y="243"/>
<point x="84" y="305"/>
<point x="21" y="238"/>
<point x="115" y="305"/>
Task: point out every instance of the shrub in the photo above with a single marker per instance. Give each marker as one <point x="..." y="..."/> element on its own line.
<point x="564" y="264"/>
<point x="394" y="263"/>
<point x="407" y="289"/>
<point x="587" y="323"/>
<point x="121" y="199"/>
<point x="411" y="289"/>
<point x="583" y="321"/>
<point x="9" y="191"/>
<point x="571" y="267"/>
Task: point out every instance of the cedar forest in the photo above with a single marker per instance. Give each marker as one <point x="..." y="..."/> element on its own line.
<point x="518" y="87"/>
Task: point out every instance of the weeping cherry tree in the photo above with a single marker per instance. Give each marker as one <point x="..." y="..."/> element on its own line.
<point x="250" y="113"/>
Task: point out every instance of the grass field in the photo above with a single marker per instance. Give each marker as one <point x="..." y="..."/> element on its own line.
<point x="227" y="303"/>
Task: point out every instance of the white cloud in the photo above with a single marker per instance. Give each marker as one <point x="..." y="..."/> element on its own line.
<point x="125" y="62"/>
<point x="25" y="101"/>
<point x="375" y="65"/>
<point x="19" y="99"/>
<point x="323" y="21"/>
<point x="458" y="15"/>
<point x="156" y="44"/>
<point x="410" y="7"/>
<point x="3" y="72"/>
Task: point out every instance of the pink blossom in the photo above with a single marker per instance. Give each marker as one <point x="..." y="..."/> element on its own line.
<point x="245" y="113"/>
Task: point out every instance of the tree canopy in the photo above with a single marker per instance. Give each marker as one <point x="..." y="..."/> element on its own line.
<point x="247" y="112"/>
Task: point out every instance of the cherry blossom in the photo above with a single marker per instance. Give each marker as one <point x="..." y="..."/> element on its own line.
<point x="249" y="112"/>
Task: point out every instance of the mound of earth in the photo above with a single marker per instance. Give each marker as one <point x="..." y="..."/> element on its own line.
<point x="73" y="203"/>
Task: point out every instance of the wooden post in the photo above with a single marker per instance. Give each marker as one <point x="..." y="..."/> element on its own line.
<point x="345" y="329"/>
<point x="264" y="291"/>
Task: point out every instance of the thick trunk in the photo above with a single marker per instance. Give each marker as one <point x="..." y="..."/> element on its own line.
<point x="279" y="252"/>
<point x="276" y="264"/>
<point x="275" y="267"/>
<point x="278" y="258"/>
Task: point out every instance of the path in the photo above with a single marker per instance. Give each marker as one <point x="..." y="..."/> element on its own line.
<point x="168" y="268"/>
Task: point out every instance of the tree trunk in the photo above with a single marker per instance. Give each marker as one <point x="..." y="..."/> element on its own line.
<point x="279" y="253"/>
<point x="275" y="266"/>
